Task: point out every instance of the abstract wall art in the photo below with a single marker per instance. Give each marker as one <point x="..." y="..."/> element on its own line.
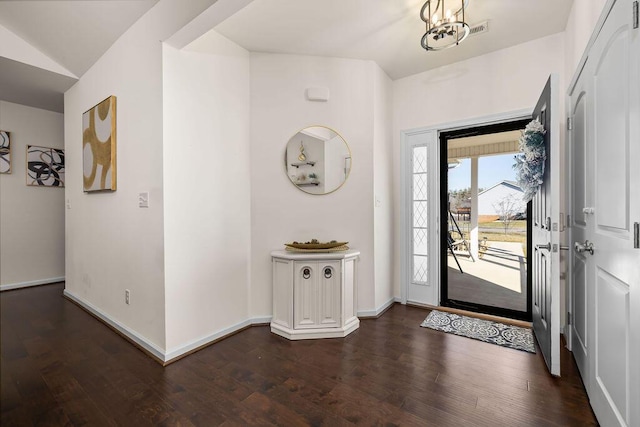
<point x="5" y="152"/>
<point x="45" y="166"/>
<point x="99" y="146"/>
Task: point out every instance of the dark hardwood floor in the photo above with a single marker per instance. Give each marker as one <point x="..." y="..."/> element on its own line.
<point x="61" y="366"/>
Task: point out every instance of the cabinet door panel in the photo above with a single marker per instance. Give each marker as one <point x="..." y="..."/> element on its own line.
<point x="283" y="293"/>
<point x="305" y="295"/>
<point x="349" y="294"/>
<point x="329" y="294"/>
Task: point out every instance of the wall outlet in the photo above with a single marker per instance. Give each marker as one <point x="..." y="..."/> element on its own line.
<point x="127" y="296"/>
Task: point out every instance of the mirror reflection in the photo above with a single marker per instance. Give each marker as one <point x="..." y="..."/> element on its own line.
<point x="317" y="160"/>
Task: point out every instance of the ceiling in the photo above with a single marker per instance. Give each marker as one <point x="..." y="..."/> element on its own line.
<point x="72" y="33"/>
<point x="75" y="33"/>
<point x="491" y="144"/>
<point x="386" y="31"/>
<point x="484" y="139"/>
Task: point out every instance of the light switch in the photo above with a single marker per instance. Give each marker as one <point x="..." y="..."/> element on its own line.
<point x="143" y="200"/>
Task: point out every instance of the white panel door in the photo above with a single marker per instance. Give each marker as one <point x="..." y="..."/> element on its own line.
<point x="546" y="235"/>
<point x="611" y="206"/>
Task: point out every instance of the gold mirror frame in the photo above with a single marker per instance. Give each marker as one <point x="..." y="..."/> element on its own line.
<point x="312" y="165"/>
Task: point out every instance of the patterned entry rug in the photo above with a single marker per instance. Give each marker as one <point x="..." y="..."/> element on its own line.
<point x="483" y="330"/>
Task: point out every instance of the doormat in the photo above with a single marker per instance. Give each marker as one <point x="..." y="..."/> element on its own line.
<point x="483" y="330"/>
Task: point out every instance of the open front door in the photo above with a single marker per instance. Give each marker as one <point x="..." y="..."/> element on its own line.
<point x="546" y="235"/>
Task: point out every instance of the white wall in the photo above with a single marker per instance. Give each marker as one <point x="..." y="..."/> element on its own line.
<point x="206" y="189"/>
<point x="383" y="188"/>
<point x="506" y="80"/>
<point x="580" y="24"/>
<point x="111" y="244"/>
<point x="279" y="211"/>
<point x="31" y="218"/>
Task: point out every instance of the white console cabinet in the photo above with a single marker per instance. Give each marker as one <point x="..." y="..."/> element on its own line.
<point x="314" y="294"/>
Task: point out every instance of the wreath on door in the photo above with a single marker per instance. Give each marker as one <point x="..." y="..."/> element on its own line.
<point x="530" y="161"/>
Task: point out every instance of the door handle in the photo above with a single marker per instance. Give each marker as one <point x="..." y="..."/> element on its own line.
<point x="587" y="246"/>
<point x="564" y="248"/>
<point x="547" y="246"/>
<point x="587" y="211"/>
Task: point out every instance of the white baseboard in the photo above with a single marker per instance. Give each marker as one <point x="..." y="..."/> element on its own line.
<point x="265" y="320"/>
<point x="157" y="352"/>
<point x="129" y="333"/>
<point x="379" y="310"/>
<point x="184" y="349"/>
<point x="19" y="285"/>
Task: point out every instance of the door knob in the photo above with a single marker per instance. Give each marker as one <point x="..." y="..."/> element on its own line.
<point x="547" y="246"/>
<point x="587" y="246"/>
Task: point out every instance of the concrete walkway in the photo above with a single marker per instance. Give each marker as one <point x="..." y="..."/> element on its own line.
<point x="498" y="279"/>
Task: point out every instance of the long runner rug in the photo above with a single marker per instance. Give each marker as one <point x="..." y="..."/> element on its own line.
<point x="484" y="330"/>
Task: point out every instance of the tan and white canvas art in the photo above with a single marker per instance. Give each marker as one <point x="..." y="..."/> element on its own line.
<point x="99" y="146"/>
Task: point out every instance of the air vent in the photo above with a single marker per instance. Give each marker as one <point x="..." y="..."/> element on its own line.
<point x="482" y="27"/>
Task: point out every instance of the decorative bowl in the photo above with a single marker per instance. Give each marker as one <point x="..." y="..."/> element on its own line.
<point x="328" y="245"/>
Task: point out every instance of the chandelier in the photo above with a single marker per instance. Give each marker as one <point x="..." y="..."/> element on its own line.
<point x="444" y="27"/>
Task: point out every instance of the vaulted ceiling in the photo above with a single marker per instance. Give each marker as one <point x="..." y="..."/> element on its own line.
<point x="386" y="31"/>
<point x="45" y="46"/>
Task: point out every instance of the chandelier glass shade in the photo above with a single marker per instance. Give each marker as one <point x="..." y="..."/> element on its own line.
<point x="445" y="25"/>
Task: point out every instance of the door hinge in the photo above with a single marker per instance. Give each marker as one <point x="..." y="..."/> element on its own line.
<point x="635" y="14"/>
<point x="636" y="235"/>
<point x="568" y="221"/>
<point x="568" y="317"/>
<point x="569" y="123"/>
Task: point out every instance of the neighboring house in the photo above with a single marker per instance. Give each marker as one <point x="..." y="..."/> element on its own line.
<point x="489" y="200"/>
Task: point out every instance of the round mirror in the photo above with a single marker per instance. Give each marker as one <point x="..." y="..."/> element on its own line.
<point x="317" y="160"/>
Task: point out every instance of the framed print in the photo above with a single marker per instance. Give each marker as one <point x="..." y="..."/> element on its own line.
<point x="99" y="146"/>
<point x="5" y="152"/>
<point x="45" y="166"/>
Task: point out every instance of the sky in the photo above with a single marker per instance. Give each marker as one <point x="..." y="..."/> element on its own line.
<point x="491" y="170"/>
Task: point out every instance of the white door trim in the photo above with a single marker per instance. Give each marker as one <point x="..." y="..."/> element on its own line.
<point x="596" y="30"/>
<point x="406" y="196"/>
<point x="568" y="335"/>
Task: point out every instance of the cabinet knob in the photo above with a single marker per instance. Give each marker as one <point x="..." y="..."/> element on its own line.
<point x="328" y="273"/>
<point x="306" y="273"/>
